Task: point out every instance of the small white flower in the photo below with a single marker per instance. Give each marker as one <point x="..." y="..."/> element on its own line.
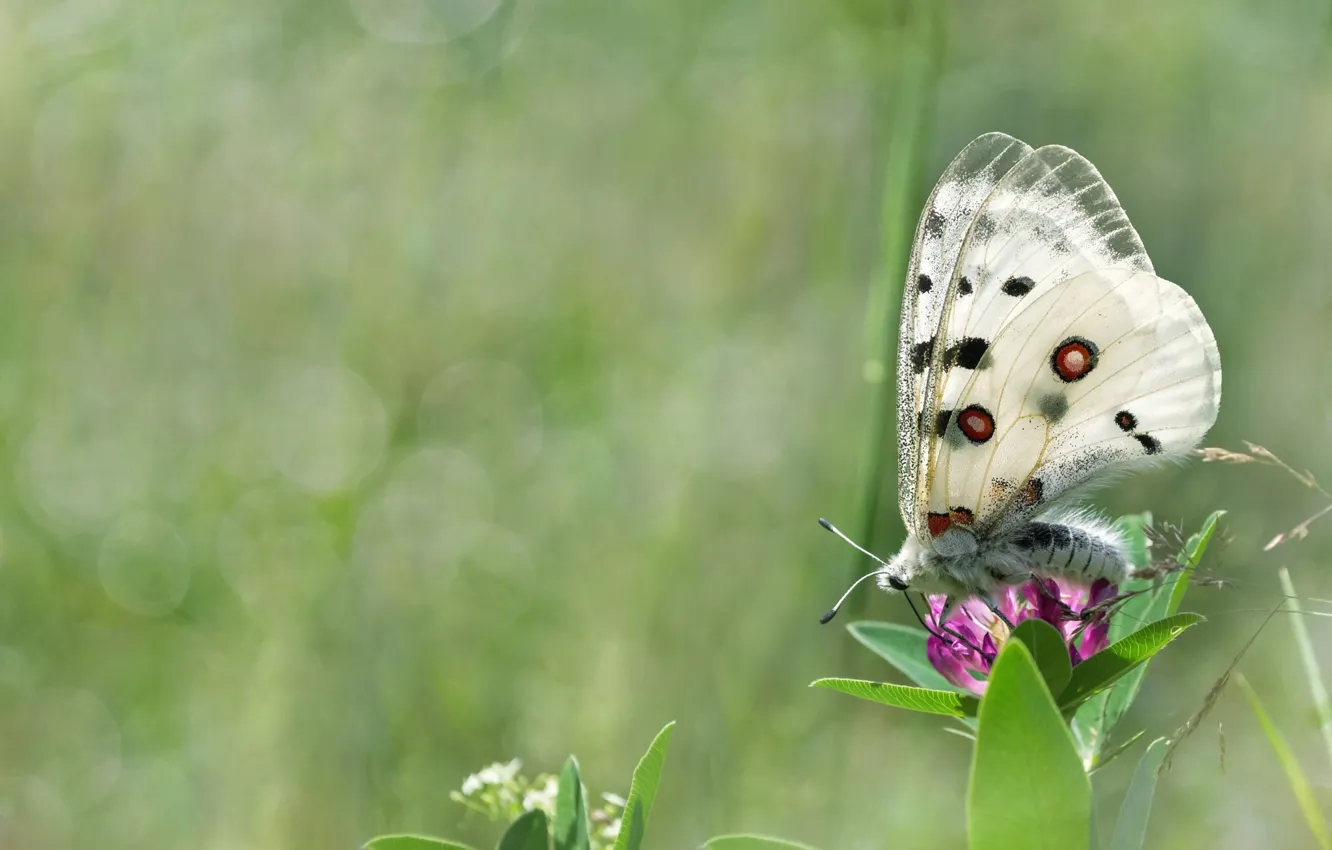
<point x="611" y="830"/>
<point x="542" y="798"/>
<point x="614" y="799"/>
<point x="472" y="784"/>
<point x="498" y="774"/>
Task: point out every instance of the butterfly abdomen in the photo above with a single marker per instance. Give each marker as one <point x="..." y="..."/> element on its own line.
<point x="1078" y="549"/>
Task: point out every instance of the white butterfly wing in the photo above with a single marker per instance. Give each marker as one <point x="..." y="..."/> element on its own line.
<point x="944" y="224"/>
<point x="1063" y="356"/>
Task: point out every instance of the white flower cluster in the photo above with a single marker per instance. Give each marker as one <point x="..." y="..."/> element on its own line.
<point x="500" y="792"/>
<point x="497" y="775"/>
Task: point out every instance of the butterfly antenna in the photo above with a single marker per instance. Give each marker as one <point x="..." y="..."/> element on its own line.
<point x="832" y="612"/>
<point x="830" y="527"/>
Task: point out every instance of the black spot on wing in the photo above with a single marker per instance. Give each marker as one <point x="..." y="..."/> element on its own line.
<point x="924" y="284"/>
<point x="941" y="420"/>
<point x="1126" y="421"/>
<point x="1018" y="286"/>
<point x="964" y="286"/>
<point x="920" y="355"/>
<point x="967" y="353"/>
<point x="934" y="223"/>
<point x="1150" y="443"/>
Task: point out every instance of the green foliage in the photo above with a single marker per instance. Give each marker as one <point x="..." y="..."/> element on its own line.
<point x="1131" y="827"/>
<point x="1029" y="782"/>
<point x="1149" y="601"/>
<point x="1317" y="689"/>
<point x="904" y="648"/>
<point x="530" y="831"/>
<point x="1105" y="667"/>
<point x="493" y="792"/>
<point x="1048" y="650"/>
<point x="1190" y="558"/>
<point x="949" y="703"/>
<point x="1299" y="783"/>
<point x="1028" y="788"/>
<point x="571" y="827"/>
<point x="642" y="791"/>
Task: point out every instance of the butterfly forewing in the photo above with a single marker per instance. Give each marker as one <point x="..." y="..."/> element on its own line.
<point x="944" y="224"/>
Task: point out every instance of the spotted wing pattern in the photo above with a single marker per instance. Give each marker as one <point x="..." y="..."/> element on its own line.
<point x="943" y="228"/>
<point x="1057" y="356"/>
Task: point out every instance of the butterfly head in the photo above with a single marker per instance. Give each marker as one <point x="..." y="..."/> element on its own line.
<point x="899" y="572"/>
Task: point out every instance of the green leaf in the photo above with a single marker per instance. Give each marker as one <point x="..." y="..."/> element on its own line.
<point x="1150" y="605"/>
<point x="1131" y="828"/>
<point x="1102" y="669"/>
<point x="1317" y="690"/>
<point x="1028" y="788"/>
<point x="1134" y="613"/>
<point x="642" y="791"/>
<point x="1096" y="717"/>
<point x="949" y="703"/>
<point x="1299" y="783"/>
<point x="904" y="648"/>
<point x="1190" y="558"/>
<point x="528" y="832"/>
<point x="571" y="830"/>
<point x="752" y="842"/>
<point x="412" y="842"/>
<point x="1048" y="650"/>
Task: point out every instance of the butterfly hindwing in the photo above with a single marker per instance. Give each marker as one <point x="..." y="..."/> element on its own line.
<point x="1112" y="370"/>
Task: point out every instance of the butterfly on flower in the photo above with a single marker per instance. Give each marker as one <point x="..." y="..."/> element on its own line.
<point x="1039" y="356"/>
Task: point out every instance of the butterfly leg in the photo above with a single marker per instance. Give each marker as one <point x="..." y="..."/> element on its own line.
<point x="949" y="606"/>
<point x="1066" y="611"/>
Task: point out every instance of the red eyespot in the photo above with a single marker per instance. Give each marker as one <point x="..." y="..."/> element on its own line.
<point x="939" y="523"/>
<point x="1074" y="358"/>
<point x="976" y="423"/>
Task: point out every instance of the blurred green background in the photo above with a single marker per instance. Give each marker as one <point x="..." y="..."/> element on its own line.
<point x="388" y="387"/>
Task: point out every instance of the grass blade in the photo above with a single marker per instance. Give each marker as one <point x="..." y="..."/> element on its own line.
<point x="1317" y="689"/>
<point x="1299" y="783"/>
<point x="1192" y="555"/>
<point x="1131" y="828"/>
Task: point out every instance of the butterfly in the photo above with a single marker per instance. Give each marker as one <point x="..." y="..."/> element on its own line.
<point x="1039" y="356"/>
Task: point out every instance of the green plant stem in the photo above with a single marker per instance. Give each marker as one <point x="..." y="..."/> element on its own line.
<point x="921" y="47"/>
<point x="1316" y="687"/>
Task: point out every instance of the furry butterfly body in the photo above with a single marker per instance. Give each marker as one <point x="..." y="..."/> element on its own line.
<point x="1039" y="356"/>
